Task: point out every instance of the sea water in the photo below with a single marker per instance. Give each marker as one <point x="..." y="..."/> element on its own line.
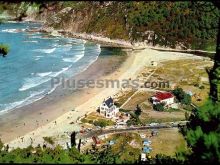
<point x="34" y="59"/>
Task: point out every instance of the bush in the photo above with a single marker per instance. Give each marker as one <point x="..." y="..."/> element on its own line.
<point x="138" y="110"/>
<point x="49" y="140"/>
<point x="4" y="49"/>
<point x="201" y="87"/>
<point x="158" y="107"/>
<point x="134" y="120"/>
<point x="182" y="96"/>
<point x="102" y="123"/>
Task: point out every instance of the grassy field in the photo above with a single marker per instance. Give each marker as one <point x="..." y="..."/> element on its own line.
<point x="190" y="75"/>
<point x="95" y="117"/>
<point x="129" y="145"/>
<point x="123" y="96"/>
<point x="167" y="142"/>
<point x="149" y="115"/>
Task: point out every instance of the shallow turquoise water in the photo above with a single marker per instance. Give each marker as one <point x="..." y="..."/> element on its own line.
<point x="34" y="59"/>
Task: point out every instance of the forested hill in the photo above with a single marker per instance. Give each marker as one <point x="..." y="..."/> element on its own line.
<point x="172" y="24"/>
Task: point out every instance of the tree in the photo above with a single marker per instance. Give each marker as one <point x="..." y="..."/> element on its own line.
<point x="4" y="49"/>
<point x="203" y="130"/>
<point x="1" y="145"/>
<point x="73" y="139"/>
<point x="101" y="123"/>
<point x="203" y="134"/>
<point x="158" y="107"/>
<point x="182" y="96"/>
<point x="186" y="99"/>
<point x="214" y="73"/>
<point x="49" y="140"/>
<point x="138" y="110"/>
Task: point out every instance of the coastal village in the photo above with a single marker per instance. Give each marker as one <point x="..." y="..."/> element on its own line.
<point x="145" y="121"/>
<point x="109" y="82"/>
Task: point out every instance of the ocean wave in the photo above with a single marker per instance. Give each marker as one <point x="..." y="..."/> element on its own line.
<point x="48" y="51"/>
<point x="44" y="74"/>
<point x="74" y="59"/>
<point x="33" y="82"/>
<point x="67" y="45"/>
<point x="31" y="41"/>
<point x="36" y="59"/>
<point x="84" y="41"/>
<point x="34" y="36"/>
<point x="10" y="30"/>
<point x="34" y="96"/>
<point x="55" y="74"/>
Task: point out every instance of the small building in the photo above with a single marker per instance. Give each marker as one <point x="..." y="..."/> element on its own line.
<point x="166" y="98"/>
<point x="143" y="157"/>
<point x="108" y="109"/>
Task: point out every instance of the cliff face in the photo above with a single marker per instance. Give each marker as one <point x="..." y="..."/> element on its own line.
<point x="155" y="23"/>
<point x="91" y="18"/>
<point x="70" y="19"/>
<point x="103" y="19"/>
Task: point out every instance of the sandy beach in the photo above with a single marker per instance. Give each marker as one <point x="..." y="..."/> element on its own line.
<point x="55" y="117"/>
<point x="60" y="101"/>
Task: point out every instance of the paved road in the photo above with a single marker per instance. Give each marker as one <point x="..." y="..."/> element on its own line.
<point x="130" y="129"/>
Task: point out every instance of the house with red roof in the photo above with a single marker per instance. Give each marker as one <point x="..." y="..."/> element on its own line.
<point x="166" y="98"/>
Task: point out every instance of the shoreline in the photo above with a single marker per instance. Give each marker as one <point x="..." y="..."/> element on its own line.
<point x="20" y="117"/>
<point x="59" y="105"/>
<point x="66" y="121"/>
<point x="107" y="42"/>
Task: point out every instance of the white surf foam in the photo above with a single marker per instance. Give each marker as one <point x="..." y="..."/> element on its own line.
<point x="74" y="59"/>
<point x="54" y="74"/>
<point x="10" y="30"/>
<point x="48" y="51"/>
<point x="33" y="82"/>
<point x="34" y="96"/>
<point x="31" y="41"/>
<point x="44" y="74"/>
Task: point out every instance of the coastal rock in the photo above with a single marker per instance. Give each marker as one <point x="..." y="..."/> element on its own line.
<point x="65" y="10"/>
<point x="55" y="33"/>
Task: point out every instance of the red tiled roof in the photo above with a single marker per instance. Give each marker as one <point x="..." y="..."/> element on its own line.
<point x="163" y="95"/>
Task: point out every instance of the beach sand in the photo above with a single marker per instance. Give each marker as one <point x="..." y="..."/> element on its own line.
<point x="59" y="109"/>
<point x="22" y="120"/>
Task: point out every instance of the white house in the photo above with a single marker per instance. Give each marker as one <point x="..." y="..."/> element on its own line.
<point x="166" y="98"/>
<point x="108" y="109"/>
